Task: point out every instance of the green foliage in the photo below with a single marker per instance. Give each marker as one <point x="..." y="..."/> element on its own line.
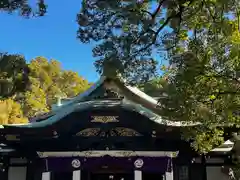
<point x="130" y="32"/>
<point x="116" y="25"/>
<point x="13" y="75"/>
<point x="203" y="86"/>
<point x="48" y="82"/>
<point x="204" y="139"/>
<point x="200" y="38"/>
<point x="36" y="86"/>
<point x="35" y="102"/>
<point x="23" y="7"/>
<point x="153" y="87"/>
<point x="11" y="113"/>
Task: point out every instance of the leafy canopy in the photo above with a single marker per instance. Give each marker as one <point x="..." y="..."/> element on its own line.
<point x="48" y="82"/>
<point x="204" y="87"/>
<point x="23" y="7"/>
<point x="199" y="38"/>
<point x="131" y="33"/>
<point x="31" y="89"/>
<point x="13" y="74"/>
<point x="11" y="113"/>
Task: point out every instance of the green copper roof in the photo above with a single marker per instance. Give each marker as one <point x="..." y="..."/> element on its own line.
<point x="134" y="100"/>
<point x="131" y="93"/>
<point x="128" y="105"/>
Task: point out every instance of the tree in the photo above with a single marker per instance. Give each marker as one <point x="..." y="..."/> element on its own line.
<point x="11" y="113"/>
<point x="153" y="87"/>
<point x="206" y="82"/>
<point x="48" y="82"/>
<point x="23" y="7"/>
<point x="131" y="32"/>
<point x="200" y="39"/>
<point x="203" y="86"/>
<point x="35" y="102"/>
<point x="13" y="74"/>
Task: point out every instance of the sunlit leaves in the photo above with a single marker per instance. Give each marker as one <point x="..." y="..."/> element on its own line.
<point x="11" y="112"/>
<point x="208" y="139"/>
<point x="48" y="82"/>
<point x="203" y="86"/>
<point x="183" y="35"/>
<point x="235" y="38"/>
<point x="37" y="85"/>
<point x="212" y="97"/>
<point x="206" y="90"/>
<point x="35" y="102"/>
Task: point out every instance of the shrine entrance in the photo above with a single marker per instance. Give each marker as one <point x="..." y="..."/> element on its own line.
<point x="62" y="175"/>
<point x="106" y="167"/>
<point x="121" y="175"/>
<point x="111" y="176"/>
<point x="113" y="171"/>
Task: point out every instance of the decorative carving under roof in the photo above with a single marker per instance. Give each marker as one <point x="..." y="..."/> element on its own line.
<point x="12" y="137"/>
<point x="89" y="132"/>
<point x="121" y="131"/>
<point x="118" y="131"/>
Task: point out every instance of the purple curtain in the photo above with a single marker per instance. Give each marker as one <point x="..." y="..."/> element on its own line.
<point x="147" y="164"/>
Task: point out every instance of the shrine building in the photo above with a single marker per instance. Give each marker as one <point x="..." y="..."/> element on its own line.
<point x="110" y="132"/>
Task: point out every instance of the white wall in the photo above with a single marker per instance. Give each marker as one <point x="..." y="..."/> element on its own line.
<point x="215" y="173"/>
<point x="17" y="173"/>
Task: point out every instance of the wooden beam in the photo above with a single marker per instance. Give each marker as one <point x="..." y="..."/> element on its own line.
<point x="204" y="168"/>
<point x="101" y="143"/>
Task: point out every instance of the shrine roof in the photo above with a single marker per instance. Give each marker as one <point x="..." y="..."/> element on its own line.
<point x="227" y="146"/>
<point x="101" y="104"/>
<point x="5" y="149"/>
<point x="134" y="100"/>
<point x="120" y="84"/>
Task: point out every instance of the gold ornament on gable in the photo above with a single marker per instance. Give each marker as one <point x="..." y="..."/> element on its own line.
<point x="104" y="119"/>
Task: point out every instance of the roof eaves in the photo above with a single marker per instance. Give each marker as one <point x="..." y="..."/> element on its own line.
<point x="83" y="95"/>
<point x="156" y="118"/>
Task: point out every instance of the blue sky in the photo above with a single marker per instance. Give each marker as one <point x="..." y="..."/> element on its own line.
<point x="52" y="36"/>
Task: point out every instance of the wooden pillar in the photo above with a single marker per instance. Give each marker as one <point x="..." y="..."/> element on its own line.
<point x="169" y="175"/>
<point x="204" y="168"/>
<point x="31" y="169"/>
<point x="46" y="175"/>
<point x="76" y="175"/>
<point x="137" y="175"/>
<point x="169" y="172"/>
<point x="190" y="171"/>
<point x="5" y="168"/>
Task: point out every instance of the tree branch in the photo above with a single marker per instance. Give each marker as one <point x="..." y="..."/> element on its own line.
<point x="147" y="12"/>
<point x="238" y="15"/>
<point x="158" y="9"/>
<point x="158" y="31"/>
<point x="153" y="16"/>
<point x="209" y="11"/>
